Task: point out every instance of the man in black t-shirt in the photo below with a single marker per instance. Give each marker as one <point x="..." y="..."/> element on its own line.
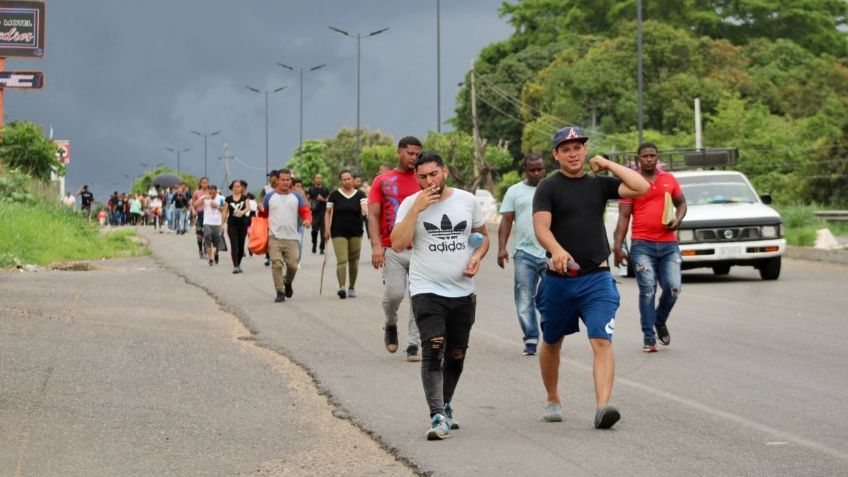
<point x="568" y="218"/>
<point x="86" y="199"/>
<point x="317" y="196"/>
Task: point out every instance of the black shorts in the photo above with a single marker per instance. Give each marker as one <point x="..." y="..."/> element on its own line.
<point x="443" y="316"/>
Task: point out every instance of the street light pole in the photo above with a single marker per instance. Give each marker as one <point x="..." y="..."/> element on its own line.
<point x="205" y="139"/>
<point x="267" y="94"/>
<point x="290" y="68"/>
<point x="359" y="37"/>
<point x="438" y="67"/>
<point x="178" y="151"/>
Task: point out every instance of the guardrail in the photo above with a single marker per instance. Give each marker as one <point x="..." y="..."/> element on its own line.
<point x="833" y="215"/>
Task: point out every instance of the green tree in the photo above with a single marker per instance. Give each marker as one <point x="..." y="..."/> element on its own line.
<point x="341" y="150"/>
<point x="466" y="172"/>
<point x="376" y="154"/>
<point x="310" y="161"/>
<point x="24" y="148"/>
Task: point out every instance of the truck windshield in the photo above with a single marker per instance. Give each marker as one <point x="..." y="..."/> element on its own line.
<point x="717" y="190"/>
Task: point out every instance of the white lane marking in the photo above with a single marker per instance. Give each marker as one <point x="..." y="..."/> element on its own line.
<point x="776" y="433"/>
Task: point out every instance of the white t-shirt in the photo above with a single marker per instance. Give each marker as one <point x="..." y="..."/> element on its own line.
<point x="213" y="216"/>
<point x="440" y="251"/>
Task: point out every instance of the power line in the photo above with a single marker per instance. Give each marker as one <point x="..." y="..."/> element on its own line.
<point x="514" y="118"/>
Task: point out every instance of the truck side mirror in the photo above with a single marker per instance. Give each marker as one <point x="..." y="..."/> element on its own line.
<point x="766" y="198"/>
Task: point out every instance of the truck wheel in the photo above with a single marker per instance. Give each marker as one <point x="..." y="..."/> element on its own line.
<point x="770" y="268"/>
<point x="721" y="269"/>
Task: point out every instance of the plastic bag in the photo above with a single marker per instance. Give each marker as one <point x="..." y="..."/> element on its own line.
<point x="258" y="235"/>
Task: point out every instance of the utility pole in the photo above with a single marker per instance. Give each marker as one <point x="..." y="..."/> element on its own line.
<point x="639" y="67"/>
<point x="474" y="126"/>
<point x="228" y="156"/>
<point x="698" y="138"/>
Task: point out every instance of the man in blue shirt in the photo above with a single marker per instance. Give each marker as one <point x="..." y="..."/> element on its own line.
<point x="529" y="257"/>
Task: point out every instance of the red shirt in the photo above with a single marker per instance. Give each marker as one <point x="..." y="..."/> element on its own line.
<point x="647" y="210"/>
<point x="389" y="189"/>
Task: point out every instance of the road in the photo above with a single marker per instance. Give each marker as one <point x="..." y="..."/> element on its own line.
<point x="127" y="370"/>
<point x="753" y="383"/>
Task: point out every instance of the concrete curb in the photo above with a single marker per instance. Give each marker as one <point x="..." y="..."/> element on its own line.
<point x="817" y="255"/>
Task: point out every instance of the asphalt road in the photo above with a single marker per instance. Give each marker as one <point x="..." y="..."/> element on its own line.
<point x="753" y="383"/>
<point x="127" y="370"/>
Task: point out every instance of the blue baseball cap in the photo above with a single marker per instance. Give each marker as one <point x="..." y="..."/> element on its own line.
<point x="568" y="133"/>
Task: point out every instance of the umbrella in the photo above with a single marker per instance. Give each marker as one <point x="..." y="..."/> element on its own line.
<point x="167" y="180"/>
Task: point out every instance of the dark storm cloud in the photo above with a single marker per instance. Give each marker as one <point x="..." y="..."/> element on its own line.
<point x="125" y="78"/>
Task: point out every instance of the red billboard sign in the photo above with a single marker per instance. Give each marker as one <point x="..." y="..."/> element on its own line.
<point x="63" y="151"/>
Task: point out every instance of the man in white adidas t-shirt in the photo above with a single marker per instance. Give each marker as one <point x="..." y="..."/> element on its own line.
<point x="438" y="221"/>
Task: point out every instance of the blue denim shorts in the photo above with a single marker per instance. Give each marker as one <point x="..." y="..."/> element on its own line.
<point x="564" y="301"/>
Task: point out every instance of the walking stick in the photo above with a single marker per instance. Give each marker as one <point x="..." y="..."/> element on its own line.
<point x="323" y="264"/>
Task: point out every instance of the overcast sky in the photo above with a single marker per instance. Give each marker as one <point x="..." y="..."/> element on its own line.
<point x="126" y="78"/>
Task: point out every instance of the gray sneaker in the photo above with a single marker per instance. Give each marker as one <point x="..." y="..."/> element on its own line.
<point x="351" y="293"/>
<point x="453" y="423"/>
<point x="553" y="412"/>
<point x="412" y="354"/>
<point x="438" y="428"/>
<point x="606" y="417"/>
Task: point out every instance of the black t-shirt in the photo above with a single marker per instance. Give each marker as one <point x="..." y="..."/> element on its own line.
<point x="234" y="206"/>
<point x="117" y="204"/>
<point x="180" y="200"/>
<point x="86" y="198"/>
<point x="577" y="209"/>
<point x="347" y="214"/>
<point x="317" y="205"/>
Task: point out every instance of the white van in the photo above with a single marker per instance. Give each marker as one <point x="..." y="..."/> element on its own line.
<point x="727" y="224"/>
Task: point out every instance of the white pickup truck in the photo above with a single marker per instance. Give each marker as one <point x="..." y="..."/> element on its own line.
<point x="727" y="224"/>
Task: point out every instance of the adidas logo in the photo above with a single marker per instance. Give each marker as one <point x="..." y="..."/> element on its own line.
<point x="448" y="233"/>
<point x="447" y="230"/>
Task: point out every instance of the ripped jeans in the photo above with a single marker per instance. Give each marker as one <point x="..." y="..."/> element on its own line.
<point x="656" y="263"/>
<point x="445" y="325"/>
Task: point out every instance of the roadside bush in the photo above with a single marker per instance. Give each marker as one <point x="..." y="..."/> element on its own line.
<point x="41" y="233"/>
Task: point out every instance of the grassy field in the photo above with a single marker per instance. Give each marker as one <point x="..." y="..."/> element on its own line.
<point x="800" y="224"/>
<point x="41" y="234"/>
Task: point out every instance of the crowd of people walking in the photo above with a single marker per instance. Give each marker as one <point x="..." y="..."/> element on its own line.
<point x="429" y="239"/>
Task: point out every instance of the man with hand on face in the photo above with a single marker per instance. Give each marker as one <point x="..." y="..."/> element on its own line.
<point x="568" y="218"/>
<point x="653" y="249"/>
<point x="530" y="260"/>
<point x="438" y="222"/>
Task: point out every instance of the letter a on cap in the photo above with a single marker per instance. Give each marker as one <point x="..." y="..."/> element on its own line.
<point x="572" y="134"/>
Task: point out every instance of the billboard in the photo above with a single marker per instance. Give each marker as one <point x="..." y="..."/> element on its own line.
<point x="22" y="28"/>
<point x="63" y="151"/>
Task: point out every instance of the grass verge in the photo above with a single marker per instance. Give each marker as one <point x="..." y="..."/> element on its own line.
<point x="800" y="224"/>
<point x="41" y="234"/>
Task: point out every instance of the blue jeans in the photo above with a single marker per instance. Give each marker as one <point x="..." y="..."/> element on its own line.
<point x="179" y="223"/>
<point x="656" y="263"/>
<point x="528" y="272"/>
